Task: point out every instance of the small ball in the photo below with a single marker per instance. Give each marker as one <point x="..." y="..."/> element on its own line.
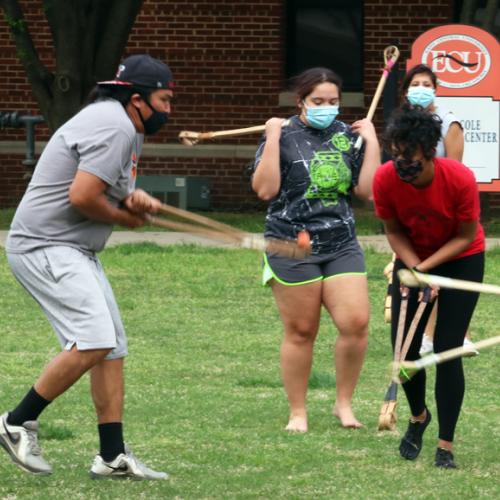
<point x="304" y="240"/>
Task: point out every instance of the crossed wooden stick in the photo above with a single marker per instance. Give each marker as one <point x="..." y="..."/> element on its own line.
<point x="190" y="138"/>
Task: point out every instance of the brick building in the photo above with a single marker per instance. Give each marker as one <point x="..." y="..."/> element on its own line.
<point x="231" y="60"/>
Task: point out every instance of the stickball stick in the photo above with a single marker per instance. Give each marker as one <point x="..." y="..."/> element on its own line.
<point x="218" y="231"/>
<point x="416" y="279"/>
<point x="391" y="55"/>
<point x="388" y="298"/>
<point x="190" y="138"/>
<point x="404" y="370"/>
<point x="387" y="417"/>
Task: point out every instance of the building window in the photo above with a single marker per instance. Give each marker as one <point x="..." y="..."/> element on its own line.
<point x="484" y="14"/>
<point x="326" y="33"/>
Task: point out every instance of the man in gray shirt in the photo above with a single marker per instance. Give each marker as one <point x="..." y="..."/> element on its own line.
<point x="83" y="184"/>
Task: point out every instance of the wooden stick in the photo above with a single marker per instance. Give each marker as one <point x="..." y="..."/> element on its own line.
<point x="387" y="417"/>
<point x="200" y="219"/>
<point x="391" y="55"/>
<point x="416" y="279"/>
<point x="219" y="231"/>
<point x="388" y="272"/>
<point x="191" y="228"/>
<point x="414" y="324"/>
<point x="404" y="370"/>
<point x="191" y="138"/>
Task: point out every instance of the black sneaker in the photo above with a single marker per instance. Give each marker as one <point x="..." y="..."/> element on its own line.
<point x="444" y="459"/>
<point x="411" y="444"/>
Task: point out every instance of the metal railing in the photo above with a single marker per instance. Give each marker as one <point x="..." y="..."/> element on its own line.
<point x="17" y="120"/>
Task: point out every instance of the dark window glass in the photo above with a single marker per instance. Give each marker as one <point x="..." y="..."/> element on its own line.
<point x="326" y="33"/>
<point x="481" y="13"/>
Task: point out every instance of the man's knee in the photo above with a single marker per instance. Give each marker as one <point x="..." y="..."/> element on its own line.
<point x="89" y="358"/>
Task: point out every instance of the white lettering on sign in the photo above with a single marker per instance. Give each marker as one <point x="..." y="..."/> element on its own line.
<point x="480" y="119"/>
<point x="443" y="64"/>
<point x="457" y="67"/>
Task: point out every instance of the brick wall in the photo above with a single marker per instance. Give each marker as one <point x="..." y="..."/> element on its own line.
<point x="228" y="60"/>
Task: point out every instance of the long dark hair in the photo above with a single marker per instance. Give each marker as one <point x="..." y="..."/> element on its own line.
<point x="121" y="93"/>
<point x="304" y="83"/>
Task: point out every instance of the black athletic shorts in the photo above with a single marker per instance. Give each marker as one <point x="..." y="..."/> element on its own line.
<point x="350" y="260"/>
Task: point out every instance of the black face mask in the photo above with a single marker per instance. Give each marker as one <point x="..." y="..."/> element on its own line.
<point x="408" y="171"/>
<point x="155" y="122"/>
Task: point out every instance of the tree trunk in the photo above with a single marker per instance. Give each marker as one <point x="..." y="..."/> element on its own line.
<point x="89" y="38"/>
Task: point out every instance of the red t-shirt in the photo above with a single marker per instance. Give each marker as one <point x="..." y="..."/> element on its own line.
<point x="430" y="216"/>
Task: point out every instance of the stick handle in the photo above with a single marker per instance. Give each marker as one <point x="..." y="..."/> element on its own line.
<point x="457" y="352"/>
<point x="241" y="131"/>
<point x="415" y="279"/>
<point x="191" y="228"/>
<point x="434" y="359"/>
<point x="202" y="136"/>
<point x="235" y="132"/>
<point x="389" y="63"/>
<point x="413" y="327"/>
<point x="200" y="219"/>
<point x="400" y="333"/>
<point x="401" y="328"/>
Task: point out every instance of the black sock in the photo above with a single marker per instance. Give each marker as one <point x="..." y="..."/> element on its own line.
<point x="28" y="409"/>
<point x="111" y="439"/>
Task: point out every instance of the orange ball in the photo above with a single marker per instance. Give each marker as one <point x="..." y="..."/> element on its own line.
<point x="304" y="240"/>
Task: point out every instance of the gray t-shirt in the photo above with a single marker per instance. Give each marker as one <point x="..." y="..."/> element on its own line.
<point x="101" y="140"/>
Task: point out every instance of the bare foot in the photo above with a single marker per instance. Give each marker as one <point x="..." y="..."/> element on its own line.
<point x="297" y="424"/>
<point x="346" y="417"/>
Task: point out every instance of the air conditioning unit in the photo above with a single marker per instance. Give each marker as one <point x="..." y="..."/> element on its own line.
<point x="187" y="192"/>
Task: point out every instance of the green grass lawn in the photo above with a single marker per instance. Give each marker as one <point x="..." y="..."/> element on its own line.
<point x="366" y="222"/>
<point x="204" y="397"/>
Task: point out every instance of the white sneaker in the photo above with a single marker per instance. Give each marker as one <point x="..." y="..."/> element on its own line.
<point x="470" y="348"/>
<point x="21" y="443"/>
<point x="427" y="346"/>
<point x="124" y="466"/>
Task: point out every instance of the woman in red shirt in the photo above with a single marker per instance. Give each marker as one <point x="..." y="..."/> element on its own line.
<point x="430" y="210"/>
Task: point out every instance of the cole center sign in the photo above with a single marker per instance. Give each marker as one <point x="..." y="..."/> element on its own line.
<point x="466" y="61"/>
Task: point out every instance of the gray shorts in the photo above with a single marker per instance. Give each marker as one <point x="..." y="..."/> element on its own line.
<point x="349" y="260"/>
<point x="75" y="295"/>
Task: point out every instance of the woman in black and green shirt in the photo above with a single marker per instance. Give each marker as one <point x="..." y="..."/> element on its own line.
<point x="308" y="170"/>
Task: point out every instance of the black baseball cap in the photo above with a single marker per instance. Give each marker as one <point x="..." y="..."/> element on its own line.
<point x="143" y="71"/>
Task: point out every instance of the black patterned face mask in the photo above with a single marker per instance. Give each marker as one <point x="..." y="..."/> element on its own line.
<point x="408" y="171"/>
<point x="155" y="122"/>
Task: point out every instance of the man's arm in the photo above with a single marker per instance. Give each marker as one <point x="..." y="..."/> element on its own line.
<point x="87" y="195"/>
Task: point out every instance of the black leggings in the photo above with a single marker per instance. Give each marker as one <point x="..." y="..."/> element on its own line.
<point x="455" y="309"/>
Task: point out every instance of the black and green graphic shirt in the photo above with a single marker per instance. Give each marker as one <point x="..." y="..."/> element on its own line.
<point x="318" y="171"/>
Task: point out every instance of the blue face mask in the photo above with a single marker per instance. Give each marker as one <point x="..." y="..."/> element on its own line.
<point x="321" y="117"/>
<point x="421" y="96"/>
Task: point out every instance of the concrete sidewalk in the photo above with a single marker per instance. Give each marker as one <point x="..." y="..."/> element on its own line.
<point x="377" y="242"/>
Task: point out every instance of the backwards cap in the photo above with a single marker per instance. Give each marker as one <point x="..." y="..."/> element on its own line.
<point x="141" y="70"/>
